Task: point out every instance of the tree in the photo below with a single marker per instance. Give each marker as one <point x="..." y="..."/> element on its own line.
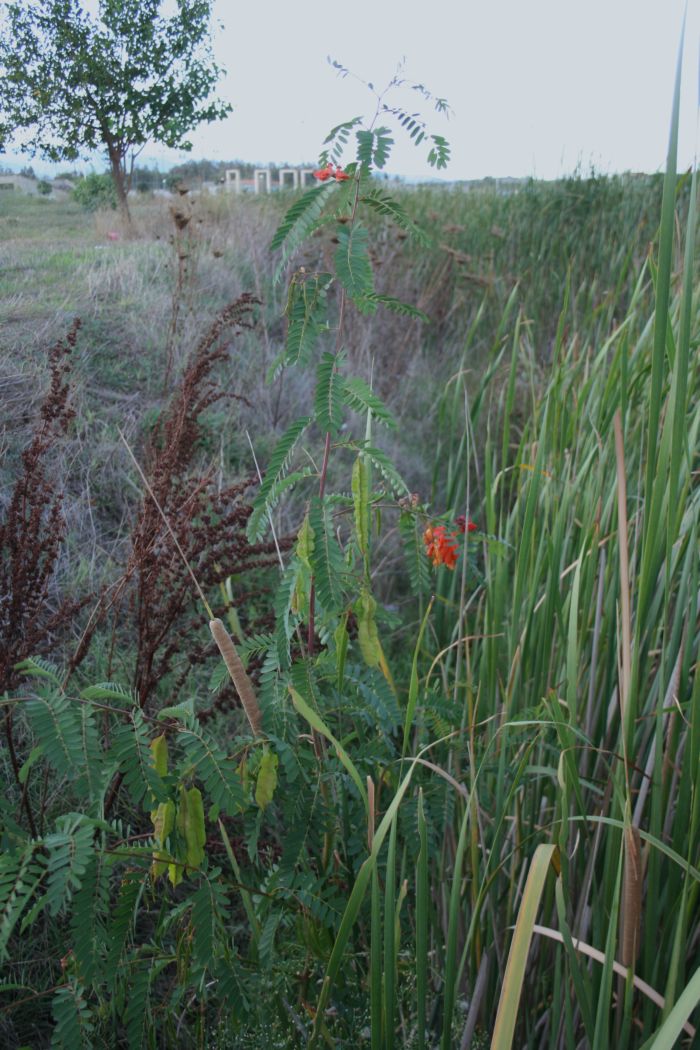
<point x="74" y="83"/>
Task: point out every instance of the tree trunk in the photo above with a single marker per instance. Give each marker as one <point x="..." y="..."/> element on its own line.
<point x="119" y="179"/>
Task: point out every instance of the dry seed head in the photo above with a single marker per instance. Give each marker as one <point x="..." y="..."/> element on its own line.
<point x="240" y="679"/>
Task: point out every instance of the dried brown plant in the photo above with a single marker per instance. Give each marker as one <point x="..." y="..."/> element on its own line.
<point x="31" y="533"/>
<point x="209" y="523"/>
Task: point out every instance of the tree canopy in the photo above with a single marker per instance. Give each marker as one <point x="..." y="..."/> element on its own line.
<point x="74" y="83"/>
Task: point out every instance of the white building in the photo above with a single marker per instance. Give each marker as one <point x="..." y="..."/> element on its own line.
<point x="17" y="184"/>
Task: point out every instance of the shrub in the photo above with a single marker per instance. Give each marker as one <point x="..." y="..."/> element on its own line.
<point x="95" y="191"/>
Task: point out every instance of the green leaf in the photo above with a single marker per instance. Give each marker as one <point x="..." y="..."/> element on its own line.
<point x="258" y="521"/>
<point x="121" y="923"/>
<point x="385" y="467"/>
<point x="317" y="723"/>
<point x="36" y="667"/>
<point x="90" y="909"/>
<point x="55" y="723"/>
<point x="672" y="1028"/>
<point x="414" y="552"/>
<point x="352" y="262"/>
<point x="412" y="123"/>
<point x="284" y="600"/>
<point x="20" y="874"/>
<point x="299" y="222"/>
<point x="95" y="770"/>
<point x="209" y="910"/>
<point x="396" y="306"/>
<point x="337" y="139"/>
<point x="328" y="398"/>
<point x="266" y="944"/>
<point x="354" y="903"/>
<point x="277" y="466"/>
<point x="439" y="154"/>
<point x="183" y="711"/>
<point x="34" y="754"/>
<point x="131" y="750"/>
<point x="382" y="146"/>
<point x="383" y="203"/>
<point x="302" y="333"/>
<point x="506" y="1016"/>
<point x="213" y="767"/>
<point x="136" y="1014"/>
<point x="365" y="146"/>
<point x="358" y="396"/>
<point x="109" y="691"/>
<point x="294" y="214"/>
<point x="73" y="1021"/>
<point x="68" y="737"/>
<point x="307" y="304"/>
<point x="69" y="851"/>
<point x="327" y="558"/>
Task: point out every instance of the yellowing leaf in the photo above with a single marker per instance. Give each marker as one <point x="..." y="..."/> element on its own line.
<point x="244" y="774"/>
<point x="385" y="669"/>
<point x="163" y="821"/>
<point x="360" y="495"/>
<point x="159" y="753"/>
<point x="267" y="779"/>
<point x="159" y="750"/>
<point x="305" y="543"/>
<point x="368" y="635"/>
<point x="175" y="872"/>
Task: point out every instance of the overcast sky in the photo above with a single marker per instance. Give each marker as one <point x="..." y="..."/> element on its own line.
<point x="537" y="87"/>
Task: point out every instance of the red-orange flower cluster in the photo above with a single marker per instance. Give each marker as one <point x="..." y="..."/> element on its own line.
<point x="465" y="525"/>
<point x="331" y="172"/>
<point x="443" y="548"/>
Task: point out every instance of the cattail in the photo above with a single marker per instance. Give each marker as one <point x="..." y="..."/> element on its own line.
<point x="631" y="897"/>
<point x="240" y="679"/>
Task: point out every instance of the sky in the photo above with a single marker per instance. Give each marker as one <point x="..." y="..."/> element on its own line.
<point x="536" y="87"/>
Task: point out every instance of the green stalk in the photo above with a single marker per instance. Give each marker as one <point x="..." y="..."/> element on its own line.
<point x="390" y="941"/>
<point x="422" y="909"/>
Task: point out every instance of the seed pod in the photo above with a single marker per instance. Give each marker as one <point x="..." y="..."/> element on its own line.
<point x="163" y="821"/>
<point x="190" y="823"/>
<point x="240" y="679"/>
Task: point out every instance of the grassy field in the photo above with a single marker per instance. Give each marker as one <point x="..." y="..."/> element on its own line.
<point x="526" y="753"/>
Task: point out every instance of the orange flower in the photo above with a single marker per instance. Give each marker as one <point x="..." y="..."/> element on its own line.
<point x="329" y="172"/>
<point x="324" y="173"/>
<point x="441" y="548"/>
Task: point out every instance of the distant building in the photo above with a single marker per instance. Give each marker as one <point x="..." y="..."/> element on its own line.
<point x="17" y="184"/>
<point x="62" y="185"/>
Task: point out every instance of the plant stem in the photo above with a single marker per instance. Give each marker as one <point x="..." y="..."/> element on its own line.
<point x="327" y="445"/>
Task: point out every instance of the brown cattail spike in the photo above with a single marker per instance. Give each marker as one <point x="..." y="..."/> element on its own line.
<point x="240" y="679"/>
<point x="631" y="897"/>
